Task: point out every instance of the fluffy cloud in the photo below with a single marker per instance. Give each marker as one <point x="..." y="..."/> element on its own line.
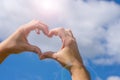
<point x="95" y="25"/>
<point x="114" y="78"/>
<point x="113" y="44"/>
<point x="113" y="39"/>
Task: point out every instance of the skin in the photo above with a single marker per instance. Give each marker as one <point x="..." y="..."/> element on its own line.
<point x="18" y="42"/>
<point x="68" y="56"/>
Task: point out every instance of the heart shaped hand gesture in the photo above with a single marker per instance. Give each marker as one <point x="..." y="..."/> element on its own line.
<point x="68" y="56"/>
<point x="18" y="42"/>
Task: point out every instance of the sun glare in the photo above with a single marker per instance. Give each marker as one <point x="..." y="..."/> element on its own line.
<point x="48" y="6"/>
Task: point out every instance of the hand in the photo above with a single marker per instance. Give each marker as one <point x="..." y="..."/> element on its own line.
<point x="69" y="55"/>
<point x="18" y="42"/>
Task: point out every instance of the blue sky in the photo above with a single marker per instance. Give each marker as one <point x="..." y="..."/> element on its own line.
<point x="95" y="24"/>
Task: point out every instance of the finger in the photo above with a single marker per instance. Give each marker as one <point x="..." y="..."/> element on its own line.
<point x="30" y="26"/>
<point x="35" y="24"/>
<point x="69" y="32"/>
<point x="37" y="31"/>
<point x="48" y="54"/>
<point x="43" y="27"/>
<point x="58" y="32"/>
<point x="33" y="48"/>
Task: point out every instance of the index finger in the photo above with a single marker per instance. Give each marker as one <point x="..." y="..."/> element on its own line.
<point x="58" y="32"/>
<point x="33" y="25"/>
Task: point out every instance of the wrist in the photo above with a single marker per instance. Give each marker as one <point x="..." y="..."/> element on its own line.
<point x="76" y="65"/>
<point x="3" y="53"/>
<point x="78" y="71"/>
<point x="3" y="49"/>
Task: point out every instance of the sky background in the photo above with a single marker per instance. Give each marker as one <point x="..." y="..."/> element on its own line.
<point x="95" y="24"/>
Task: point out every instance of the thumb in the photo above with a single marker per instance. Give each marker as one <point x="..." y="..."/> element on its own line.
<point x="48" y="54"/>
<point x="34" y="49"/>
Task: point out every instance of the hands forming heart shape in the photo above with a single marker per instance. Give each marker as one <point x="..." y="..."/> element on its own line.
<point x="68" y="56"/>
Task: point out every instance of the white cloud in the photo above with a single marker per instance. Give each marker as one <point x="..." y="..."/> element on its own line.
<point x="113" y="39"/>
<point x="95" y="25"/>
<point x="113" y="44"/>
<point x="90" y="22"/>
<point x="108" y="61"/>
<point x="113" y="78"/>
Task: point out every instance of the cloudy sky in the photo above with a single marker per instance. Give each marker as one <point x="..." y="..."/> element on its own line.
<point x="95" y="24"/>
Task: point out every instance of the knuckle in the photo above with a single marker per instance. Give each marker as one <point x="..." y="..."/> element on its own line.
<point x="45" y="27"/>
<point x="69" y="30"/>
<point x="71" y="40"/>
<point x="61" y="28"/>
<point x="35" y="21"/>
<point x="34" y="49"/>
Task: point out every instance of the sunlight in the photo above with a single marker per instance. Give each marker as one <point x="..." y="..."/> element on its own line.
<point x="49" y="6"/>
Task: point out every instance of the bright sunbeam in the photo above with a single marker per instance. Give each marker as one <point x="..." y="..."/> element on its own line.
<point x="49" y="6"/>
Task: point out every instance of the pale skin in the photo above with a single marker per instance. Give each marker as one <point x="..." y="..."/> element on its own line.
<point x="17" y="42"/>
<point x="68" y="56"/>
